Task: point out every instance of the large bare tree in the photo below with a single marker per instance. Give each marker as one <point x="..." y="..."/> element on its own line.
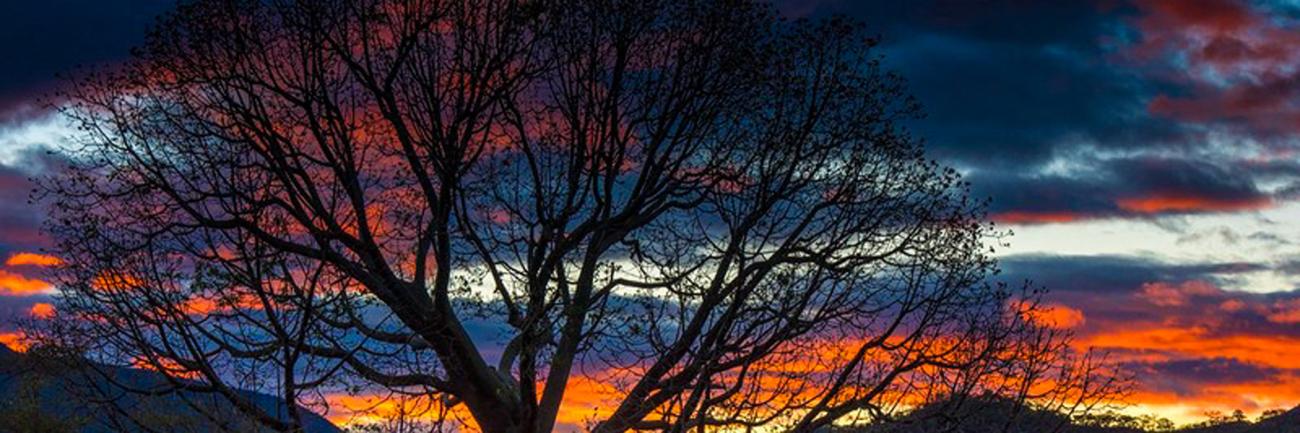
<point x="712" y="210"/>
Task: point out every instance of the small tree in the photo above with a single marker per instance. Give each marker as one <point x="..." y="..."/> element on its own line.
<point x="709" y="210"/>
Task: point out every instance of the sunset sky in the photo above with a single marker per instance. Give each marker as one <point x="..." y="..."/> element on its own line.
<point x="1143" y="152"/>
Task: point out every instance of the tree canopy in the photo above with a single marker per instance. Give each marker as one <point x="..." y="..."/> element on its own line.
<point x="714" y="212"/>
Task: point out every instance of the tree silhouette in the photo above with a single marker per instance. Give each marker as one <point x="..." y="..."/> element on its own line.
<point x="710" y="210"/>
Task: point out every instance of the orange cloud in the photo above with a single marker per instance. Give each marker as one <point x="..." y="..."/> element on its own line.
<point x="1186" y="402"/>
<point x="1172" y="295"/>
<point x="33" y="259"/>
<point x="1195" y="347"/>
<point x="198" y="306"/>
<point x="12" y="284"/>
<point x="1058" y="316"/>
<point x="1161" y="343"/>
<point x="41" y="310"/>
<point x="16" y="341"/>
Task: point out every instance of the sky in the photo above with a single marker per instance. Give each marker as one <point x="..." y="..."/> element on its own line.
<point x="1144" y="153"/>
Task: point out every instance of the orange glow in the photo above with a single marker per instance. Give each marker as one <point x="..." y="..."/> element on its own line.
<point x="17" y="285"/>
<point x="1157" y="204"/>
<point x="1018" y="217"/>
<point x="115" y="281"/>
<point x="198" y="306"/>
<point x="1057" y="316"/>
<point x="1187" y="405"/>
<point x="33" y="259"/>
<point x="165" y="365"/>
<point x="363" y="409"/>
<point x="585" y="399"/>
<point x="1160" y="343"/>
<point x="16" y="341"/>
<point x="1251" y="397"/>
<point x="41" y="310"/>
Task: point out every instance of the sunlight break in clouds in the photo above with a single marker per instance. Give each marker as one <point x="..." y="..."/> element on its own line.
<point x="18" y="139"/>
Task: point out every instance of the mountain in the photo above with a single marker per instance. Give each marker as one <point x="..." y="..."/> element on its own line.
<point x="36" y="394"/>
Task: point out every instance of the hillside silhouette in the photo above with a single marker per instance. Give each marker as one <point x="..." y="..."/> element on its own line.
<point x="36" y="396"/>
<point x="983" y="415"/>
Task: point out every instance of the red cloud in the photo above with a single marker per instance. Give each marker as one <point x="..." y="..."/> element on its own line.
<point x="1218" y="15"/>
<point x="1155" y="204"/>
<point x="1236" y="60"/>
<point x="1189" y="203"/>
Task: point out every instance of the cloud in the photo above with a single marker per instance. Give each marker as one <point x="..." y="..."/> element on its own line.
<point x="1058" y="316"/>
<point x="42" y="35"/>
<point x="1206" y="371"/>
<point x="12" y="284"/>
<point x="20" y="222"/>
<point x="41" y="310"/>
<point x="1192" y="344"/>
<point x="1012" y="88"/>
<point x="32" y="259"/>
<point x="1004" y="81"/>
<point x="1229" y="63"/>
<point x="1285" y="312"/>
<point x="1175" y="295"/>
<point x="1137" y="187"/>
<point x="14" y="340"/>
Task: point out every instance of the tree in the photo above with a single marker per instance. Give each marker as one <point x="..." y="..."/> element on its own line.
<point x="711" y="210"/>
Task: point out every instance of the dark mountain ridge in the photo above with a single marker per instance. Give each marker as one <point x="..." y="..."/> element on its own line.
<point x="984" y="415"/>
<point x="61" y="397"/>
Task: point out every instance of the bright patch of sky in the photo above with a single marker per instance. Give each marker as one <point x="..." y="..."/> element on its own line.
<point x="19" y="139"/>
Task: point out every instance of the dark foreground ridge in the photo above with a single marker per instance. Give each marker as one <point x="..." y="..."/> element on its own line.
<point x="1000" y="416"/>
<point x="35" y="397"/>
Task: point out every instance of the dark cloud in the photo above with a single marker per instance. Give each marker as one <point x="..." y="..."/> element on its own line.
<point x="44" y="38"/>
<point x="1233" y="63"/>
<point x="1005" y="83"/>
<point x="1011" y="85"/>
<point x="1202" y="371"/>
<point x="1132" y="187"/>
<point x="15" y="311"/>
<point x="1099" y="276"/>
<point x="19" y="221"/>
<point x="1132" y="292"/>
